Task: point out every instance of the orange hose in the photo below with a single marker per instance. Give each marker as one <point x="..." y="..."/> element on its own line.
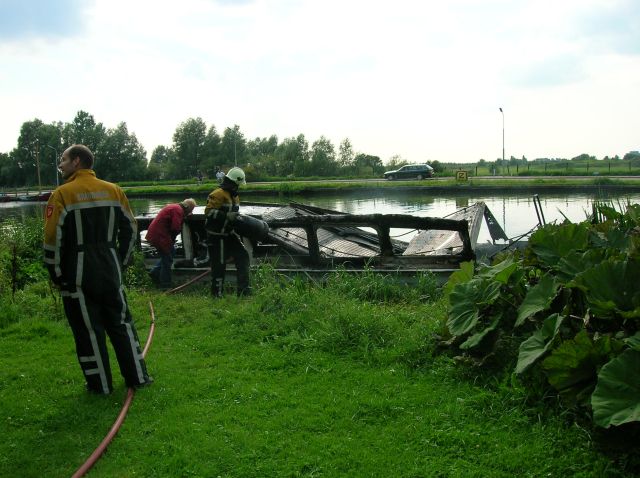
<point x="97" y="453"/>
<point x="186" y="284"/>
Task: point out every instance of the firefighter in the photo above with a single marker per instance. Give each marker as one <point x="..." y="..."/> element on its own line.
<point x="221" y="212"/>
<point x="89" y="236"/>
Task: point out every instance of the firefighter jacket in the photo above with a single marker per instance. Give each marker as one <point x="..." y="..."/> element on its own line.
<point x="219" y="203"/>
<point x="165" y="227"/>
<point x="89" y="233"/>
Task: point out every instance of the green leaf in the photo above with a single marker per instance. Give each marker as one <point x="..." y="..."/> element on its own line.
<point x="571" y="368"/>
<point x="500" y="272"/>
<point x="464" y="274"/>
<point x="634" y="341"/>
<point x="616" y="398"/>
<point x="612" y="288"/>
<point x="538" y="344"/>
<point x="476" y="339"/>
<point x="551" y="243"/>
<point x="577" y="262"/>
<point x="467" y="300"/>
<point x="538" y="298"/>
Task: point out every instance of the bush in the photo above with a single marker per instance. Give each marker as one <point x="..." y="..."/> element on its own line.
<point x="21" y="254"/>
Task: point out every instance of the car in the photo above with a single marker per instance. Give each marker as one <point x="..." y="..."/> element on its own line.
<point x="410" y="171"/>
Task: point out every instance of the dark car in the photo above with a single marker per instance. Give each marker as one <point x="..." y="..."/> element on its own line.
<point x="410" y="171"/>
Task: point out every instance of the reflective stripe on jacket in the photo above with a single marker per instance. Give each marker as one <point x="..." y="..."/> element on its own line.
<point x="89" y="227"/>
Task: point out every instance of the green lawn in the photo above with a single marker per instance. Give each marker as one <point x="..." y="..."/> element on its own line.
<point x="297" y="380"/>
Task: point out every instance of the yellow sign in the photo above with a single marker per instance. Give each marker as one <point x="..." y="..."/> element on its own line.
<point x="461" y="175"/>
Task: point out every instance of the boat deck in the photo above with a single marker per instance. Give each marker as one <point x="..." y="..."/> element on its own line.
<point x="313" y="240"/>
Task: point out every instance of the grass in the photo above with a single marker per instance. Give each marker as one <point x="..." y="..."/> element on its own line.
<point x="290" y="187"/>
<point x="299" y="380"/>
<point x="287" y="188"/>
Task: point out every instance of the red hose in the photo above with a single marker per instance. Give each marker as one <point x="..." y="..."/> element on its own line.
<point x="97" y="453"/>
<point x="186" y="284"/>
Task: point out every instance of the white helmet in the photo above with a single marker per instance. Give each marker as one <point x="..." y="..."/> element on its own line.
<point x="237" y="176"/>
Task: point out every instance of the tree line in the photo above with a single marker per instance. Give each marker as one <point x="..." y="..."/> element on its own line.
<point x="196" y="150"/>
<point x="200" y="150"/>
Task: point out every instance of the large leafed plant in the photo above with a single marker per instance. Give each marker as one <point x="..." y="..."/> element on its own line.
<point x="572" y="302"/>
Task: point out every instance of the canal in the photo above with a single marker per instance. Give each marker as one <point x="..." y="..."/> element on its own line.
<point x="515" y="212"/>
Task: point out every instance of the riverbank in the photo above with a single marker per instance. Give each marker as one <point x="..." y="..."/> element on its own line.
<point x="489" y="184"/>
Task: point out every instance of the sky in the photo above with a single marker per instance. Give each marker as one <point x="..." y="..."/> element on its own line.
<point x="422" y="80"/>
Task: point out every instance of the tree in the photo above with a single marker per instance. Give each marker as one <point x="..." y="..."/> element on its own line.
<point x="368" y="164"/>
<point x="583" y="157"/>
<point x="188" y="146"/>
<point x="396" y="161"/>
<point x="39" y="147"/>
<point x="211" y="153"/>
<point x="261" y="147"/>
<point x="84" y="130"/>
<point x="7" y="169"/>
<point x="158" y="165"/>
<point x="233" y="147"/>
<point x="346" y="155"/>
<point x="122" y="157"/>
<point x="437" y="166"/>
<point x="323" y="158"/>
<point x="27" y="154"/>
<point x="261" y="155"/>
<point x="292" y="157"/>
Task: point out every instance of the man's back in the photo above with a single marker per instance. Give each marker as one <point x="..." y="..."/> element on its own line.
<point x="89" y="227"/>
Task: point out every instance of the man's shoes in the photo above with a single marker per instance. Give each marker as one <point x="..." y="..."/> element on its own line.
<point x="148" y="382"/>
<point x="94" y="391"/>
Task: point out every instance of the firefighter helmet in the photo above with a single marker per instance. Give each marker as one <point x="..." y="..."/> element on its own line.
<point x="237" y="176"/>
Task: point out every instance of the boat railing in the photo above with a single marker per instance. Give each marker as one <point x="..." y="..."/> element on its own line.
<point x="381" y="223"/>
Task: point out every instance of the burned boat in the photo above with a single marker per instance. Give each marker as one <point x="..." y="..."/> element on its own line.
<point x="315" y="241"/>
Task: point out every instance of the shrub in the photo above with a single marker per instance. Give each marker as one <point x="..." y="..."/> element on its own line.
<point x="569" y="308"/>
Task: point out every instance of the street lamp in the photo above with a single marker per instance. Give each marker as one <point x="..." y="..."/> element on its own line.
<point x="55" y="160"/>
<point x="502" y="136"/>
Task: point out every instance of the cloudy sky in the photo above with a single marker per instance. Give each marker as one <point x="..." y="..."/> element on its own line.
<point x="422" y="79"/>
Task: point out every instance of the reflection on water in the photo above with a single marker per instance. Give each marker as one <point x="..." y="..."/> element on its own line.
<point x="515" y="212"/>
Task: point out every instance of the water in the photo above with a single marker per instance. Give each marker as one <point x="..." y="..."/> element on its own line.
<point x="514" y="212"/>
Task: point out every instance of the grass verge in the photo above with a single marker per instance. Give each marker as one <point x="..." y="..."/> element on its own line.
<point x="298" y="380"/>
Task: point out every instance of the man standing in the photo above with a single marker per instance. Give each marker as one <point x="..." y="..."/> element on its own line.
<point x="89" y="235"/>
<point x="221" y="211"/>
<point x="219" y="175"/>
<point x="162" y="234"/>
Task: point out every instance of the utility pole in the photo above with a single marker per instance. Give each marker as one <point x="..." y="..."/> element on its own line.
<point x="38" y="165"/>
<point x="502" y="136"/>
<point x="55" y="161"/>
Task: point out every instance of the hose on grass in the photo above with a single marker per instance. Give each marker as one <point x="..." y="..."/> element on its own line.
<point x="188" y="283"/>
<point x="97" y="453"/>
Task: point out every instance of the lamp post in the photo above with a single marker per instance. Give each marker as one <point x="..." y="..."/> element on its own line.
<point x="55" y="160"/>
<point x="502" y="135"/>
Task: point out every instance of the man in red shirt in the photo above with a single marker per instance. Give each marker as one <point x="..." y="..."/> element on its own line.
<point x="162" y="234"/>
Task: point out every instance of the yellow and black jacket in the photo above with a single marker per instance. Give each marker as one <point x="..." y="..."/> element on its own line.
<point x="89" y="227"/>
<point x="219" y="203"/>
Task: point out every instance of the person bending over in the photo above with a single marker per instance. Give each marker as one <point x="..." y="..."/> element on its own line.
<point x="162" y="234"/>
